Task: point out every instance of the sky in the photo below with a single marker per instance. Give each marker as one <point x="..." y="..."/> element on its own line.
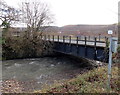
<point x="71" y="12"/>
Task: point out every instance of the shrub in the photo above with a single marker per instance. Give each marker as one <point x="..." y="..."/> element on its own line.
<point x="118" y="49"/>
<point x="24" y="47"/>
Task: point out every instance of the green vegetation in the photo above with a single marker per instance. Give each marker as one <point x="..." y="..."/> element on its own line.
<point x="118" y="49"/>
<point x="24" y="47"/>
<point x="94" y="81"/>
<point x="0" y="40"/>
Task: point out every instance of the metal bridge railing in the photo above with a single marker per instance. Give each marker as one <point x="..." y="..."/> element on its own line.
<point x="80" y="40"/>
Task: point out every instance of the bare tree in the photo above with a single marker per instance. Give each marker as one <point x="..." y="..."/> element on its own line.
<point x="35" y="15"/>
<point x="8" y="15"/>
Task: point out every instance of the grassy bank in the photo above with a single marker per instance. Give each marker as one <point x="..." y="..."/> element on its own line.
<point x="94" y="81"/>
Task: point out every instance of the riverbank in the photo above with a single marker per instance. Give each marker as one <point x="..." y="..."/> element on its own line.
<point x="61" y="74"/>
<point x="93" y="81"/>
<point x="28" y="75"/>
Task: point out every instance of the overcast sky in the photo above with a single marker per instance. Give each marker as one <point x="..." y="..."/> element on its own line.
<point x="67" y="12"/>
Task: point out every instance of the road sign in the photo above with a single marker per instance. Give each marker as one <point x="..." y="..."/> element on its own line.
<point x="110" y="32"/>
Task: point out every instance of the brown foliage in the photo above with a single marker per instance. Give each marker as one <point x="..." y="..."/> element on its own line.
<point x="24" y="47"/>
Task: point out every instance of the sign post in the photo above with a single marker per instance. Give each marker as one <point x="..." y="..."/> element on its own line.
<point x="110" y="32"/>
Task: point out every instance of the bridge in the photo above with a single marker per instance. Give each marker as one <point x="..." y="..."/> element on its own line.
<point x="81" y="46"/>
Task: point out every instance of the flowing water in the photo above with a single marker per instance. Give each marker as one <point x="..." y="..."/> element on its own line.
<point x="34" y="73"/>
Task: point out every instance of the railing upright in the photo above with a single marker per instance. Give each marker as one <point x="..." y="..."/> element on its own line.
<point x="69" y="39"/>
<point x="77" y="41"/>
<point x="53" y="38"/>
<point x="64" y="43"/>
<point x="85" y="46"/>
<point x="70" y="43"/>
<point x="85" y="41"/>
<point x="77" y="45"/>
<point x="58" y="38"/>
<point x="63" y="39"/>
<point x="95" y="52"/>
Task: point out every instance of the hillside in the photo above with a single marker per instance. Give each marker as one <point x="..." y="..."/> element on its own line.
<point x="82" y="30"/>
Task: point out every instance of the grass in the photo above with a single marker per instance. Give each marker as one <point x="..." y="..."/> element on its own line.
<point x="94" y="81"/>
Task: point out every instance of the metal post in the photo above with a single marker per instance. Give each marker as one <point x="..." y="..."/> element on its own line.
<point x="110" y="63"/>
<point x="58" y="38"/>
<point x="64" y="43"/>
<point x="85" y="46"/>
<point x="70" y="43"/>
<point x="77" y="45"/>
<point x="85" y="41"/>
<point x="77" y="41"/>
<point x="95" y="53"/>
<point x="63" y="39"/>
<point x="53" y="38"/>
<point x="69" y="39"/>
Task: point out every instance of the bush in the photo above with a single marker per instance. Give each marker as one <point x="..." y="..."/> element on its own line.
<point x="118" y="49"/>
<point x="24" y="47"/>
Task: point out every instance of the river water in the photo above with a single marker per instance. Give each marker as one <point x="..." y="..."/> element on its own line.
<point x="35" y="73"/>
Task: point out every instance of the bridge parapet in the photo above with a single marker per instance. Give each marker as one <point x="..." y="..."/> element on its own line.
<point x="81" y="46"/>
<point x="81" y="40"/>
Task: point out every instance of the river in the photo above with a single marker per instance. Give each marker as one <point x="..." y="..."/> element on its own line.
<point x="34" y="73"/>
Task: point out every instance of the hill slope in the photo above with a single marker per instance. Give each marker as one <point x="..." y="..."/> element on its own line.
<point x="82" y="29"/>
